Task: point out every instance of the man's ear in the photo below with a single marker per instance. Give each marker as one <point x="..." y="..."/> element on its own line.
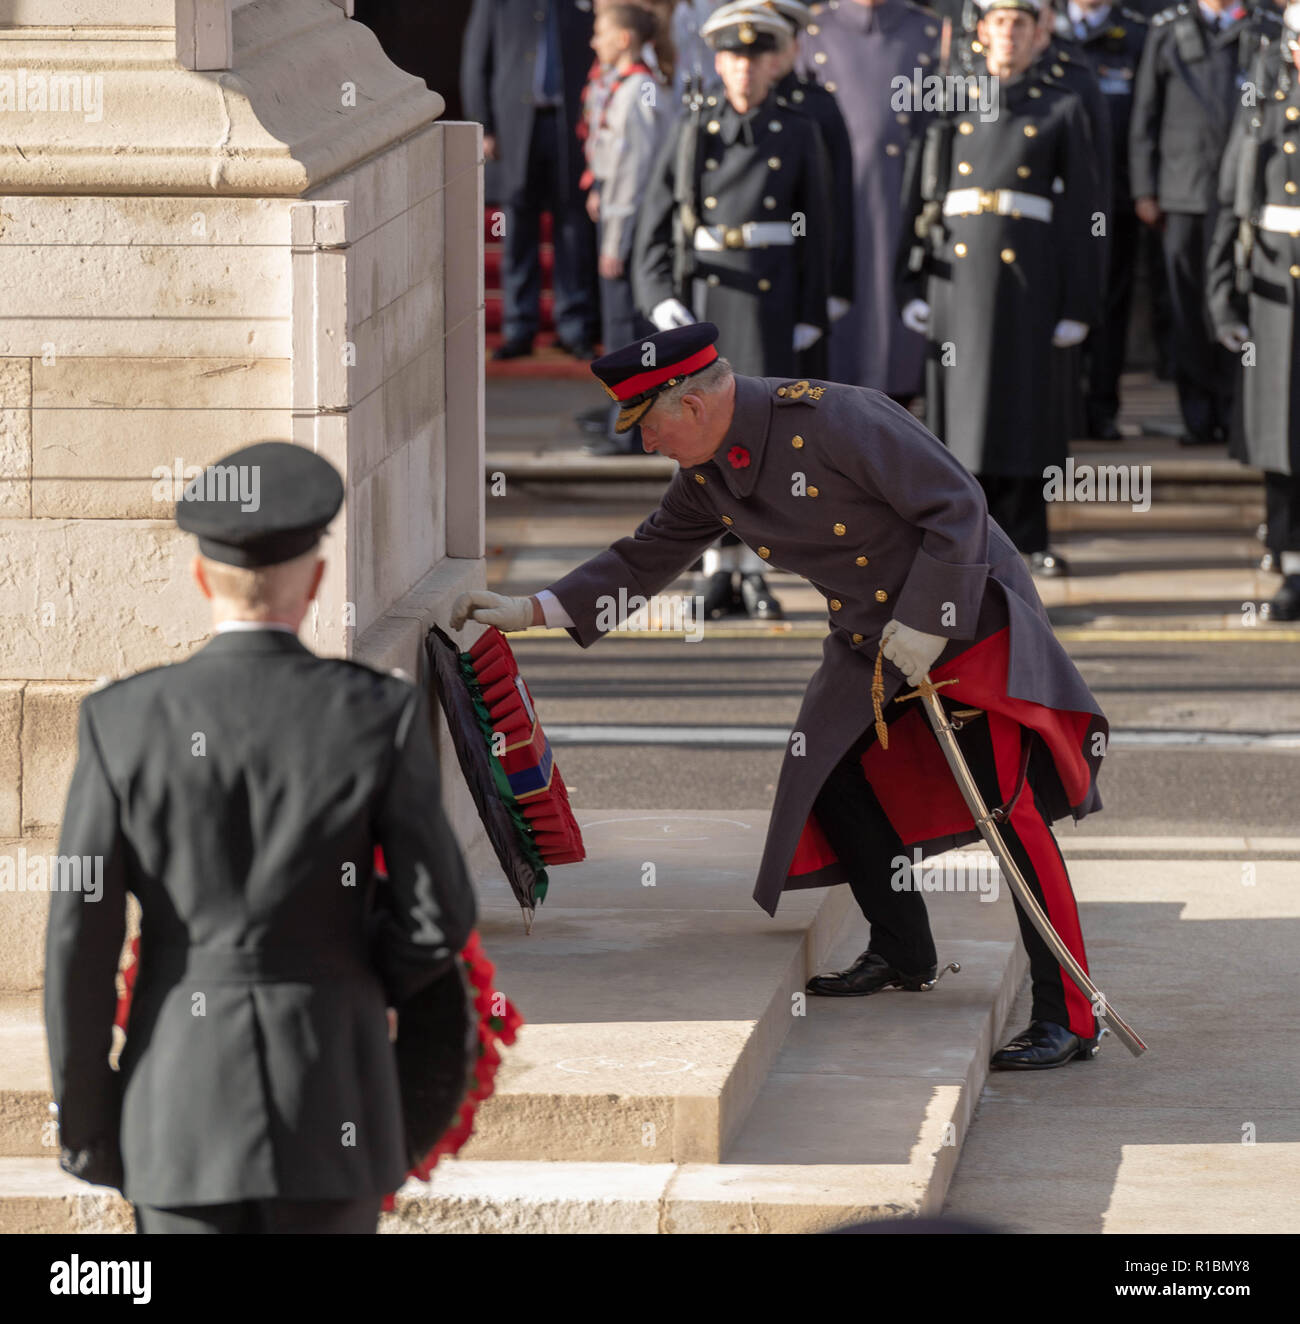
<point x="196" y="569"/>
<point x="696" y="405"/>
<point x="316" y="578"/>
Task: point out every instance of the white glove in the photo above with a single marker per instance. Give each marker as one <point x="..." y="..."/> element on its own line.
<point x="1234" y="337"/>
<point x="492" y="609"/>
<point x="1069" y="333"/>
<point x="837" y="308"/>
<point x="911" y="651"/>
<point x="671" y="313"/>
<point x="805" y="336"/>
<point x="916" y="316"/>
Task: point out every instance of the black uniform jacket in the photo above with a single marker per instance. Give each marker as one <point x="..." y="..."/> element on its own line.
<point x="239" y="795"/>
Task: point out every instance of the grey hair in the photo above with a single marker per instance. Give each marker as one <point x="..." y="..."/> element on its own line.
<point x="705" y="382"/>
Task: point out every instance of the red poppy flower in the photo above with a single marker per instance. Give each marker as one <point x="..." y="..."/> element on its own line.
<point x="738" y="457"/>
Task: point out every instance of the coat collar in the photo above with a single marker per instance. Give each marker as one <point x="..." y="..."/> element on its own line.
<point x="248" y="642"/>
<point x="745" y="437"/>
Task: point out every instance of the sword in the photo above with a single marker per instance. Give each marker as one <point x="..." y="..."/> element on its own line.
<point x="928" y="692"/>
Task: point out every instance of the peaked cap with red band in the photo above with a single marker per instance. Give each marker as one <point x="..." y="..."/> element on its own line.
<point x="637" y="373"/>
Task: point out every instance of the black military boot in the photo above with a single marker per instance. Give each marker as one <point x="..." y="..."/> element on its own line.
<point x="759" y="600"/>
<point x="868" y="974"/>
<point x="721" y="598"/>
<point x="1285" y="605"/>
<point x="1043" y="1045"/>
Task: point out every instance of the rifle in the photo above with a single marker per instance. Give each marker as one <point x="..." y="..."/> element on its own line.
<point x="685" y="211"/>
<point x="936" y="163"/>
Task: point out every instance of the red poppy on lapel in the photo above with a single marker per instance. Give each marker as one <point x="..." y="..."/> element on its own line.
<point x="738" y="457"/>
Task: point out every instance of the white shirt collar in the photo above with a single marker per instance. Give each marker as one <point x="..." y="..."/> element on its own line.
<point x="228" y="627"/>
<point x="1213" y="17"/>
<point x="1093" y="19"/>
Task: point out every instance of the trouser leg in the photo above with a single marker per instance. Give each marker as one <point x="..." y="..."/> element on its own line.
<point x="521" y="271"/>
<point x="1197" y="366"/>
<point x="1282" y="513"/>
<point x="198" y="1219"/>
<point x="1105" y="346"/>
<point x="1019" y="507"/>
<point x="322" y="1217"/>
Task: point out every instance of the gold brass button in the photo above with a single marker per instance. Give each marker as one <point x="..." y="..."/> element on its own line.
<point x="1289" y="147"/>
<point x="1057" y="71"/>
<point x="780" y="390"/>
<point x="977" y="47"/>
<point x="765" y="552"/>
<point x="713" y="279"/>
<point x="881" y="595"/>
<point x="710" y="164"/>
<point x="858" y="638"/>
<point x="839" y="530"/>
<point x="700" y="478"/>
<point x="814" y="491"/>
<point x="836" y="604"/>
<point x="765" y="284"/>
<point x="769" y="203"/>
<point x="774" y="163"/>
<point x="820" y="57"/>
<point x="1022" y="171"/>
<point x="1031" y="131"/>
<point x="963" y="167"/>
<point x="965" y="127"/>
<point x="714" y="126"/>
<point x="860" y="560"/>
<point x="726" y="519"/>
<point x="1292" y="113"/>
<point x="1035" y="91"/>
<point x="796" y="442"/>
<point x="1289" y="186"/>
<point x="1295" y="273"/>
<point x="959" y="250"/>
<point x="832" y="87"/>
<point x="813" y="29"/>
<point x="1008" y="255"/>
<point x="892" y="149"/>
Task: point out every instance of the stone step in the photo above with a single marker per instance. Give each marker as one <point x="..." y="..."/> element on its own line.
<point x="653" y="1012"/>
<point x="862" y="1116"/>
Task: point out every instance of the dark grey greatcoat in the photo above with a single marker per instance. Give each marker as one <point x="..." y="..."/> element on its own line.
<point x="769" y="164"/>
<point x="998" y="284"/>
<point x="889" y="525"/>
<point x="856" y="51"/>
<point x="1270" y="388"/>
<point x="233" y="794"/>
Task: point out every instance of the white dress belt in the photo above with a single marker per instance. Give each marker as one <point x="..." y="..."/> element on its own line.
<point x="1002" y="201"/>
<point x="1280" y="220"/>
<point x="753" y="234"/>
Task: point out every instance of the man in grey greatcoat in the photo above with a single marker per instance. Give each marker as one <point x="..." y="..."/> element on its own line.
<point x="239" y="797"/>
<point x="843" y="486"/>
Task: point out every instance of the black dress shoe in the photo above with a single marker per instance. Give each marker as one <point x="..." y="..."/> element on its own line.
<point x="868" y="974"/>
<point x="1048" y="564"/>
<point x="1102" y="427"/>
<point x="1285" y="605"/>
<point x="1044" y="1044"/>
<point x="1198" y="439"/>
<point x="760" y="604"/>
<point x="513" y="349"/>
<point x="721" y="598"/>
<point x="593" y="420"/>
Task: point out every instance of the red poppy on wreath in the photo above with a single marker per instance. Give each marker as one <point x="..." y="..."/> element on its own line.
<point x="738" y="457"/>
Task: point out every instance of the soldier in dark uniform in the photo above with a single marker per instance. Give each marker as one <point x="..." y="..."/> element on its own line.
<point x="820" y="104"/>
<point x="239" y="796"/>
<point x="859" y="51"/>
<point x="736" y="229"/>
<point x="1196" y="60"/>
<point x="895" y="533"/>
<point x="1111" y="39"/>
<point x="1009" y="272"/>
<point x="1254" y="291"/>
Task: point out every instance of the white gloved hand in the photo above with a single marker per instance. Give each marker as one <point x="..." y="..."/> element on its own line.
<point x="837" y="308"/>
<point x="805" y="336"/>
<point x="916" y="316"/>
<point x="671" y="313"/>
<point x="911" y="651"/>
<point x="1234" y="337"/>
<point x="492" y="609"/>
<point x="1069" y="333"/>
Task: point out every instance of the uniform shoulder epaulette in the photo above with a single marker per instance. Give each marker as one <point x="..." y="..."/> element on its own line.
<point x="802" y="391"/>
<point x="1168" y="15"/>
<point x="1132" y="16"/>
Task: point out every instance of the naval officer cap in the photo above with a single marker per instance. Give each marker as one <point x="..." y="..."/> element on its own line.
<point x="796" y="14"/>
<point x="635" y="375"/>
<point x="1033" y="7"/>
<point x="745" y="30"/>
<point x="261" y="505"/>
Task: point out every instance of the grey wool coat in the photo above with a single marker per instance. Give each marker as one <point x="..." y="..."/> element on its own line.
<point x="239" y="795"/>
<point x="842" y="486"/>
